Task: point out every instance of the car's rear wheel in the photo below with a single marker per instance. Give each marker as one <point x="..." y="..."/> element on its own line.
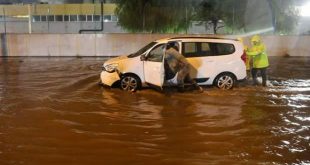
<point x="130" y="83"/>
<point x="225" y="81"/>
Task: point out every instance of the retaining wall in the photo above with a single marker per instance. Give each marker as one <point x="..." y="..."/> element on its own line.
<point x="119" y="44"/>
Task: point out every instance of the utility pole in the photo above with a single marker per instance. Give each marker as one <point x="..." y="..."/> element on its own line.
<point x="186" y="19"/>
<point x="48" y="22"/>
<point x="29" y="19"/>
<point x="4" y="51"/>
<point x="233" y="27"/>
<point x="4" y="19"/>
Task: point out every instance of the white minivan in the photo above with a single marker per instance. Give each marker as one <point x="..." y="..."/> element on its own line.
<point x="214" y="61"/>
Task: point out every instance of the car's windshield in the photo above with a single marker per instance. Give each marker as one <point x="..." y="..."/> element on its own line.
<point x="142" y="50"/>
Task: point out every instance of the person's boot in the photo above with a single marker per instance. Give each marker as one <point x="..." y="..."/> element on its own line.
<point x="255" y="82"/>
<point x="264" y="84"/>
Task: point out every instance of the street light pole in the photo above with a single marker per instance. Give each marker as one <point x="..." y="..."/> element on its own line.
<point x="29" y="19"/>
<point x="4" y="19"/>
<point x="273" y="17"/>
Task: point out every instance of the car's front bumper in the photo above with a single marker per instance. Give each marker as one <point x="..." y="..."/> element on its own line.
<point x="109" y="78"/>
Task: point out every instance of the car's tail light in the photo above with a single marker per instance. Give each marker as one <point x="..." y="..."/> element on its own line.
<point x="243" y="57"/>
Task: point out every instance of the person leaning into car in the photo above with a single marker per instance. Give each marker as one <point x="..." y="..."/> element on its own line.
<point x="179" y="65"/>
<point x="260" y="59"/>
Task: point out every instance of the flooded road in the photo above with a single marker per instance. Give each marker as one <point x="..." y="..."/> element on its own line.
<point x="53" y="112"/>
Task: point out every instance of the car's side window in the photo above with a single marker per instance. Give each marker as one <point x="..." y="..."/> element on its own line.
<point x="190" y="49"/>
<point x="224" y="49"/>
<point x="196" y="49"/>
<point x="203" y="49"/>
<point x="157" y="54"/>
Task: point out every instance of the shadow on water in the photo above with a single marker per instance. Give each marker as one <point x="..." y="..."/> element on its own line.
<point x="53" y="112"/>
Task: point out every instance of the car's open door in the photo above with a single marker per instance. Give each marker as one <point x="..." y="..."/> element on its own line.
<point x="154" y="71"/>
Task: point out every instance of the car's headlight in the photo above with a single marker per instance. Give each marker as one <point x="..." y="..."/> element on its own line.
<point x="110" y="68"/>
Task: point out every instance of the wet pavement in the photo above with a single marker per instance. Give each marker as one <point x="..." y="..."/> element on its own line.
<point x="52" y="111"/>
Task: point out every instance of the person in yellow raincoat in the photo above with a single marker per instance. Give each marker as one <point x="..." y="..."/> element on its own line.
<point x="260" y="59"/>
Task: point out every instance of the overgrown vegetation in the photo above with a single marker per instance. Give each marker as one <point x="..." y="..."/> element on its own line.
<point x="176" y="16"/>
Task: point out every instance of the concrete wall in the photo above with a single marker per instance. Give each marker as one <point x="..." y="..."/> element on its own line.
<point x="118" y="44"/>
<point x="285" y="45"/>
<point x="22" y="27"/>
<point x="19" y="27"/>
<point x="288" y="45"/>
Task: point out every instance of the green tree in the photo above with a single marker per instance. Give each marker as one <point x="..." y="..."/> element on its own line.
<point x="285" y="16"/>
<point x="208" y="13"/>
<point x="227" y="14"/>
<point x="160" y="16"/>
<point x="175" y="16"/>
<point x="232" y="14"/>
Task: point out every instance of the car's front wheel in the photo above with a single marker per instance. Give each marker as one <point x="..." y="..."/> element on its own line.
<point x="225" y="81"/>
<point x="130" y="83"/>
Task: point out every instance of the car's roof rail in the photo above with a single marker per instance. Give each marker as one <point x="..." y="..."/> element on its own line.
<point x="201" y="37"/>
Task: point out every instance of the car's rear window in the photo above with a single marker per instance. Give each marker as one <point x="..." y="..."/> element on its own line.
<point x="201" y="49"/>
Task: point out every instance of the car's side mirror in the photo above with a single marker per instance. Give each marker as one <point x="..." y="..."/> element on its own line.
<point x="142" y="57"/>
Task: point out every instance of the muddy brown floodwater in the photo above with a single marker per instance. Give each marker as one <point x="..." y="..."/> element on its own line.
<point x="53" y="112"/>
